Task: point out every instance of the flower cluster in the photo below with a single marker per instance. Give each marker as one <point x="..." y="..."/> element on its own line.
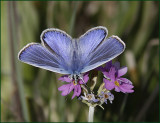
<point x="112" y="80"/>
<point x="67" y="88"/>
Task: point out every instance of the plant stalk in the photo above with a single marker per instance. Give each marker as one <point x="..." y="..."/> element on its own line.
<point x="73" y="18"/>
<point x="16" y="70"/>
<point x="91" y="114"/>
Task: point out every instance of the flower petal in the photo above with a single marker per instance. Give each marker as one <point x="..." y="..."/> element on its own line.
<point x="111" y="98"/>
<point x="66" y="89"/>
<point x="108" y="65"/>
<point x="95" y="100"/>
<point x="109" y="85"/>
<point x="126" y="88"/>
<point x="106" y="75"/>
<point x="75" y="92"/>
<point x="63" y="87"/>
<point x="117" y="89"/>
<point x="85" y="78"/>
<point x="116" y="65"/>
<point x="100" y="69"/>
<point x="65" y="78"/>
<point x="78" y="90"/>
<point x="122" y="71"/>
<point x="112" y="73"/>
<point x="84" y="98"/>
<point x="127" y="81"/>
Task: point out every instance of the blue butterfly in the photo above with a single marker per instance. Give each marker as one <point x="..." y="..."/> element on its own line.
<point x="61" y="54"/>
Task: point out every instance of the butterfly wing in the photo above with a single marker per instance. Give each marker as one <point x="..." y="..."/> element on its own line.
<point x="87" y="44"/>
<point x="55" y="54"/>
<point x="63" y="55"/>
<point x="60" y="43"/>
<point x="37" y="55"/>
<point x="100" y="49"/>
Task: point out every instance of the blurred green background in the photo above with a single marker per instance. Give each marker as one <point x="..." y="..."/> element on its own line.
<point x="31" y="94"/>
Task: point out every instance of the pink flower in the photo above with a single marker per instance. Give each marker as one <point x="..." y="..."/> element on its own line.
<point x="67" y="88"/>
<point x="113" y="78"/>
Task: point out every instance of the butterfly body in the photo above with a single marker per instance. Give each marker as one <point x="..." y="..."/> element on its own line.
<point x="62" y="54"/>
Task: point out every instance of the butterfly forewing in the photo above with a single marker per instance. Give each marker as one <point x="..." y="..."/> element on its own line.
<point x="37" y="55"/>
<point x="87" y="44"/>
<point x="109" y="49"/>
<point x="60" y="43"/>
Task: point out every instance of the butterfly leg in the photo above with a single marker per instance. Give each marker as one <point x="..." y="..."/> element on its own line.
<point x="80" y="76"/>
<point x="74" y="78"/>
